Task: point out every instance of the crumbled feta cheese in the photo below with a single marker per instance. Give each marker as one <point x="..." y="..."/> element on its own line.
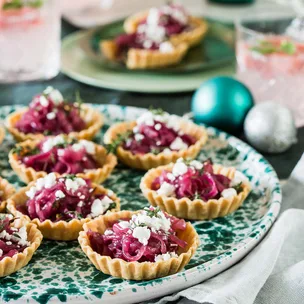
<point x="54" y="94"/>
<point x="1" y="252"/>
<point x="178" y="144"/>
<point x="167" y="151"/>
<point x="196" y="164"/>
<point x="138" y="137"/>
<point x="50" y="115"/>
<point x="110" y="193"/>
<point x="166" y="47"/>
<point x="165" y="256"/>
<point x="170" y="177"/>
<point x="142" y="234"/>
<point x="153" y="16"/>
<point x="238" y="178"/>
<point x="74" y="184"/>
<point x="87" y="145"/>
<point x="135" y="129"/>
<point x="108" y="232"/>
<point x="45" y="182"/>
<point x="124" y="224"/>
<point x="60" y="152"/>
<point x="82" y="197"/>
<point x="157" y="126"/>
<point x="99" y="206"/>
<point x="179" y="168"/>
<point x="229" y="192"/>
<point x="59" y="194"/>
<point x="8" y="243"/>
<point x="147" y="44"/>
<point x="166" y="189"/>
<point x="51" y="142"/>
<point x="43" y="101"/>
<point x="80" y="204"/>
<point x="146" y="118"/>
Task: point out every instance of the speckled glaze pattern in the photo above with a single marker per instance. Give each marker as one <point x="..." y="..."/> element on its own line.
<point x="60" y="271"/>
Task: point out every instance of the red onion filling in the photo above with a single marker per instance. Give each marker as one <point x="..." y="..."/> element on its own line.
<point x="10" y="240"/>
<point x="154" y="140"/>
<point x="47" y="204"/>
<point x="118" y="242"/>
<point x="67" y="161"/>
<point x="66" y="118"/>
<point x="195" y="184"/>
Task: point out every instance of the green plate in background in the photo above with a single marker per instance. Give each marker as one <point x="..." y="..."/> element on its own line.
<point x="215" y="50"/>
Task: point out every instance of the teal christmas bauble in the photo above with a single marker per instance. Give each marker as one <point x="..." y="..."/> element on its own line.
<point x="222" y="102"/>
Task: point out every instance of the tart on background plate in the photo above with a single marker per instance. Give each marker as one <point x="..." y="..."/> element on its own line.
<point x="178" y="25"/>
<point x="140" y="245"/>
<point x="6" y="191"/>
<point x="33" y="159"/>
<point x="60" y="205"/>
<point x="155" y="39"/>
<point x="156" y="138"/>
<point x="50" y="114"/>
<point x="195" y="190"/>
<point x="18" y="242"/>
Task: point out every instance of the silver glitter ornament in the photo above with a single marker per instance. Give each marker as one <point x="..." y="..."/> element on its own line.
<point x="270" y="127"/>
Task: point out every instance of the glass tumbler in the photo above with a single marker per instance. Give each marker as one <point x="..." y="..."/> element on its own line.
<point x="270" y="58"/>
<point x="29" y="40"/>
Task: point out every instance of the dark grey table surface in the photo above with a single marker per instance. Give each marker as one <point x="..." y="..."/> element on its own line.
<point x="22" y="93"/>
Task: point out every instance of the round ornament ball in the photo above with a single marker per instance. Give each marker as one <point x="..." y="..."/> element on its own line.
<point x="270" y="127"/>
<point x="222" y="102"/>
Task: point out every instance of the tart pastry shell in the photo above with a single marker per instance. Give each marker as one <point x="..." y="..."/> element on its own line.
<point x="61" y="230"/>
<point x="92" y="118"/>
<point x="145" y="58"/>
<point x="193" y="209"/>
<point x="199" y="29"/>
<point x="107" y="163"/>
<point x="135" y="270"/>
<point x="12" y="264"/>
<point x="150" y="160"/>
<point x="8" y="190"/>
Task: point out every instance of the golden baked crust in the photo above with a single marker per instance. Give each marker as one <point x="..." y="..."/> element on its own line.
<point x="12" y="264"/>
<point x="106" y="161"/>
<point x="93" y="119"/>
<point x="144" y="58"/>
<point x="2" y="134"/>
<point x="135" y="270"/>
<point x="199" y="28"/>
<point x="8" y="190"/>
<point x="150" y="160"/>
<point x="61" y="230"/>
<point x="193" y="209"/>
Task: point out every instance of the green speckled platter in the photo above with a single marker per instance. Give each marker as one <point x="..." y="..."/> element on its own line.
<point x="60" y="272"/>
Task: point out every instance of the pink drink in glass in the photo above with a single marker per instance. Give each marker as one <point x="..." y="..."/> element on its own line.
<point x="272" y="66"/>
<point x="29" y="42"/>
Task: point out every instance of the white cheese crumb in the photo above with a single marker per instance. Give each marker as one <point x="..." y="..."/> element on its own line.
<point x="179" y="168"/>
<point x="87" y="145"/>
<point x="239" y="177"/>
<point x="59" y="194"/>
<point x="178" y="144"/>
<point x="43" y="101"/>
<point x="167" y="151"/>
<point x="99" y="206"/>
<point x="54" y="94"/>
<point x="166" y="189"/>
<point x="166" y="47"/>
<point x="50" y="115"/>
<point x="108" y="232"/>
<point x="74" y="184"/>
<point x="124" y="224"/>
<point x="1" y="252"/>
<point x="142" y="234"/>
<point x="157" y="127"/>
<point x="51" y="142"/>
<point x="229" y="193"/>
<point x="165" y="256"/>
<point x="45" y="182"/>
<point x="196" y="164"/>
<point x="138" y="137"/>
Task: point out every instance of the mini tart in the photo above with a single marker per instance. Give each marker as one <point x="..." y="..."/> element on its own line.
<point x="92" y="117"/>
<point x="193" y="209"/>
<point x="2" y="134"/>
<point x="191" y="38"/>
<point x="144" y="58"/>
<point x="98" y="175"/>
<point x="12" y="264"/>
<point x="150" y="160"/>
<point x="8" y="190"/>
<point x="61" y="230"/>
<point x="136" y="270"/>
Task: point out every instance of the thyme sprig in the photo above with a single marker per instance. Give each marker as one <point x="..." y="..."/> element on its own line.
<point x="121" y="138"/>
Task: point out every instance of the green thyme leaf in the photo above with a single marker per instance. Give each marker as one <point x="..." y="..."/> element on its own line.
<point x="157" y="111"/>
<point x="112" y="206"/>
<point x="196" y="196"/>
<point x="121" y="138"/>
<point x="288" y="47"/>
<point x="70" y="176"/>
<point x="18" y="4"/>
<point x="238" y="188"/>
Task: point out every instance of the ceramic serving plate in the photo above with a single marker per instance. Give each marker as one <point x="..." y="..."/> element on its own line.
<point x="60" y="271"/>
<point x="216" y="49"/>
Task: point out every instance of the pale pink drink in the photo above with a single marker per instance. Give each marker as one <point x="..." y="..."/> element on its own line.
<point x="29" y="40"/>
<point x="271" y="64"/>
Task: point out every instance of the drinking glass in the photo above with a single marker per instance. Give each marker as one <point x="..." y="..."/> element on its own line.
<point x="29" y="40"/>
<point x="270" y="58"/>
